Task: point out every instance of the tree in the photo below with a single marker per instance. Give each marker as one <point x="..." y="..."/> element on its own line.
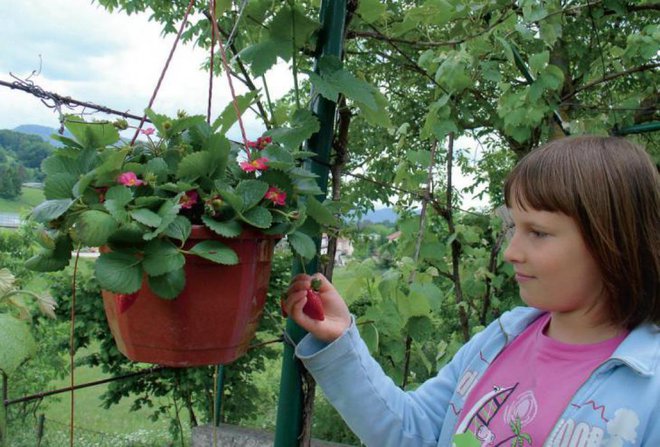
<point x="29" y="150"/>
<point x="417" y="76"/>
<point x="11" y="179"/>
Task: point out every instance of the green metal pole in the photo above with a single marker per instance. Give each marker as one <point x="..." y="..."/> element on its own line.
<point x="652" y="126"/>
<point x="219" y="388"/>
<point x="4" y="437"/>
<point x="290" y="404"/>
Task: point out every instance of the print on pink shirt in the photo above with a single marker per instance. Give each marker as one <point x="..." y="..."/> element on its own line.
<point x="484" y="410"/>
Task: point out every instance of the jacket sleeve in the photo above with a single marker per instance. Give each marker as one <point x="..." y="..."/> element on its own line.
<point x="378" y="411"/>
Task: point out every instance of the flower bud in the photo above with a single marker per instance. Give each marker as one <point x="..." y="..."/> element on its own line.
<point x="217" y="204"/>
<point x="120" y="124"/>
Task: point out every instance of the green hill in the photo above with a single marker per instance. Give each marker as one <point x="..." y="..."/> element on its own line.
<point x="29" y="198"/>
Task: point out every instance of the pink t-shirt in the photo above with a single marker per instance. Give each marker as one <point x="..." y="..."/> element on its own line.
<point x="525" y="390"/>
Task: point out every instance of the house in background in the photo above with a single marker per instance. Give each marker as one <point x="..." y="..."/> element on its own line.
<point x="344" y="249"/>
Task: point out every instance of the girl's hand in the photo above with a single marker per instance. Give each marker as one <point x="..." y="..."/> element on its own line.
<point x="337" y="318"/>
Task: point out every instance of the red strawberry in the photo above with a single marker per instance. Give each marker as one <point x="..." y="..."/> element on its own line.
<point x="313" y="307"/>
<point x="124" y="301"/>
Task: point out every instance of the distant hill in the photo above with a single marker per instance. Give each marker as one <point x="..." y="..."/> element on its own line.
<point x="381" y="215"/>
<point x="43" y="131"/>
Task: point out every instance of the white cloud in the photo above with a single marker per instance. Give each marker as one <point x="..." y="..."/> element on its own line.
<point x="114" y="60"/>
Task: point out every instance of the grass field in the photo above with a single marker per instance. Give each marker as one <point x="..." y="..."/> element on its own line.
<point x="118" y="426"/>
<point x="30" y="197"/>
<point x="93" y="424"/>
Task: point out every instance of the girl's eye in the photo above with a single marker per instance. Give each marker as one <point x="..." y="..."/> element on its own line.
<point x="538" y="234"/>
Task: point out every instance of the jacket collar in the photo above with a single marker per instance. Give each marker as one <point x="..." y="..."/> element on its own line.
<point x="640" y="350"/>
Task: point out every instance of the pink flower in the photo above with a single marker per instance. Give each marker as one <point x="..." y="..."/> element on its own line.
<point x="149" y="131"/>
<point x="189" y="199"/>
<point x="129" y="179"/>
<point x="258" y="164"/>
<point x="276" y="195"/>
<point x="260" y="144"/>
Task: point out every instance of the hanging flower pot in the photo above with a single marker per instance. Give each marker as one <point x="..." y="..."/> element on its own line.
<point x="211" y="321"/>
<point x="189" y="220"/>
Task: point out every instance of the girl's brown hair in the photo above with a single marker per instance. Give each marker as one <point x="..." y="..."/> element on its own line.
<point x="611" y="188"/>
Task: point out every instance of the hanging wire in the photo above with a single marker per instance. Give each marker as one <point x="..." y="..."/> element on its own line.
<point x="72" y="343"/>
<point x="162" y="74"/>
<point x="225" y="64"/>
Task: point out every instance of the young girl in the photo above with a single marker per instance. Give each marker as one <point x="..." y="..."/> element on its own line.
<point x="579" y="367"/>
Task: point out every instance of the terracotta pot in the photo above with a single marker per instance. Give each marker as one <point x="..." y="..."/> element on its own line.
<point x="213" y="319"/>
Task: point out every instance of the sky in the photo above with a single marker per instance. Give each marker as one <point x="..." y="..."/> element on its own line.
<point x="78" y="49"/>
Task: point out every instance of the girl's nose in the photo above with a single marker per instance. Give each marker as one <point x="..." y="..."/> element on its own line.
<point x="513" y="254"/>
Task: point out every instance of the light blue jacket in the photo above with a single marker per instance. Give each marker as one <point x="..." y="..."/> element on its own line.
<point x="619" y="405"/>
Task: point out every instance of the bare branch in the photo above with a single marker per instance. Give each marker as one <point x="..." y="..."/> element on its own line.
<point x="611" y="77"/>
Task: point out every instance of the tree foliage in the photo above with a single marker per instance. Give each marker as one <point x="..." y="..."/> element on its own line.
<point x="182" y="395"/>
<point x="20" y="160"/>
<point x="416" y="77"/>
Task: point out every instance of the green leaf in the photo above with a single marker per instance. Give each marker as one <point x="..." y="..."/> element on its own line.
<point x="52" y="260"/>
<point x="167" y="212"/>
<point x="50" y="210"/>
<point x="453" y="73"/>
<point x="158" y="167"/>
<point x="59" y="186"/>
<point x="112" y="161"/>
<point x="215" y="251"/>
<point x="307" y="186"/>
<point x="92" y="135"/>
<point x="119" y="194"/>
<point x="413" y="305"/>
<point x="258" y="217"/>
<point x="119" y="272"/>
<point x="82" y="184"/>
<point x="369" y="333"/>
<point x="302" y="244"/>
<point x="371" y="10"/>
<point x="420" y="328"/>
<point x="229" y="196"/>
<point x="194" y="165"/>
<point x="17" y="343"/>
<point x="302" y="126"/>
<point x="219" y="150"/>
<point x="263" y="55"/>
<point x="179" y="229"/>
<point x="93" y="228"/>
<point x="168" y="286"/>
<point x="228" y="116"/>
<point x="251" y="192"/>
<point x="538" y="61"/>
<point x="157" y="120"/>
<point x="317" y="211"/>
<point x="378" y="116"/>
<point x="324" y="87"/>
<point x="162" y="256"/>
<point x="466" y="440"/>
<point x="289" y="21"/>
<point x="66" y="141"/>
<point x="146" y="217"/>
<point x="231" y="228"/>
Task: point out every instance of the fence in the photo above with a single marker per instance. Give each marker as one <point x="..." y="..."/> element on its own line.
<point x="10" y="220"/>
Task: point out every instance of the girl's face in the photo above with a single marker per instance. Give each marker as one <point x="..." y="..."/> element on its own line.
<point x="554" y="269"/>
